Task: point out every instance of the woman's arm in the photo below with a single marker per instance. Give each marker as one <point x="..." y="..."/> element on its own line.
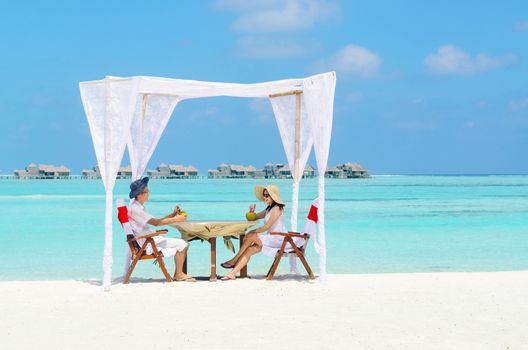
<point x="261" y="214"/>
<point x="275" y="214"/>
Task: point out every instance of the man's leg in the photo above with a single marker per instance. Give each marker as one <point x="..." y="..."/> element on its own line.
<point x="179" y="259"/>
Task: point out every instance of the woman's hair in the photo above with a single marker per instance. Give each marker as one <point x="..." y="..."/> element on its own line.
<point x="269" y="207"/>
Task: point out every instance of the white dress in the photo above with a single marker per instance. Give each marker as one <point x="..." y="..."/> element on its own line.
<point x="272" y="243"/>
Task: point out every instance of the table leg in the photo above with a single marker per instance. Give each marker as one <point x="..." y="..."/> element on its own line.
<point x="243" y="271"/>
<point x="212" y="241"/>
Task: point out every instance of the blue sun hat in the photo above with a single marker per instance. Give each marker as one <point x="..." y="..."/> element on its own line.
<point x="137" y="187"/>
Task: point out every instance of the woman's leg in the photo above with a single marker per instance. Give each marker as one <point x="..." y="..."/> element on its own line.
<point x="244" y="259"/>
<point x="250" y="240"/>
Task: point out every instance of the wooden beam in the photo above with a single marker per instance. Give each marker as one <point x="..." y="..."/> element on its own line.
<point x="280" y="94"/>
<point x="159" y="94"/>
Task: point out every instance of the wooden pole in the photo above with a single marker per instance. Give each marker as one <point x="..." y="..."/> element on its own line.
<point x="280" y="94"/>
<point x="297" y="136"/>
<point x="144" y="107"/>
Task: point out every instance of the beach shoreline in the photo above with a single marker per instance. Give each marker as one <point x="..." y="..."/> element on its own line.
<point x="446" y="310"/>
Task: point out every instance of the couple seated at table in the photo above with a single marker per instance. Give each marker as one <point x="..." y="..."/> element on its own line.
<point x="256" y="241"/>
<point x="140" y="218"/>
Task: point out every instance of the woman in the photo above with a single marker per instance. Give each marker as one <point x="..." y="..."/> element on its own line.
<point x="255" y="240"/>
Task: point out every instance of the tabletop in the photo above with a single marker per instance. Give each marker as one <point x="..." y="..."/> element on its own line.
<point x="206" y="229"/>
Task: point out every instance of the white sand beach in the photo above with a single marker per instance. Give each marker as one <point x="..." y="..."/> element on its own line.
<point x="379" y="311"/>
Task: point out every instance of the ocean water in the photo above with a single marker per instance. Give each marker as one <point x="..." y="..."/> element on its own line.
<point x="54" y="229"/>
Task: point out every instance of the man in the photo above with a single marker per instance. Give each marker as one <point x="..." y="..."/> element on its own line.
<point x="140" y="218"/>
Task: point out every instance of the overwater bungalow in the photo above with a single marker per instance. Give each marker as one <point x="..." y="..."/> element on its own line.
<point x="333" y="172"/>
<point x="91" y="174"/>
<point x="164" y="171"/>
<point x="224" y="171"/>
<point x="353" y="170"/>
<point x="43" y="171"/>
<point x="125" y="172"/>
<point x="347" y="171"/>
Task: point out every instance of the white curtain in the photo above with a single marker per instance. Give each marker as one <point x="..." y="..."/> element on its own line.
<point x="109" y="106"/>
<point x="319" y="92"/>
<point x="285" y="109"/>
<point x="151" y="115"/>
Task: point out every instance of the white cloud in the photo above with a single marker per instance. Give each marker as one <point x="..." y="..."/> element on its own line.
<point x="354" y="97"/>
<point x="450" y="59"/>
<point x="417" y="125"/>
<point x="262" y="110"/>
<point x="260" y="105"/>
<point x="483" y="104"/>
<point x="245" y="5"/>
<point x="519" y="105"/>
<point x="353" y="60"/>
<point x="264" y="16"/>
<point x="210" y="113"/>
<point x="521" y="26"/>
<point x="266" y="47"/>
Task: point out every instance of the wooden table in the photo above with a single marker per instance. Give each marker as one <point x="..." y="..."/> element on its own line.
<point x="209" y="231"/>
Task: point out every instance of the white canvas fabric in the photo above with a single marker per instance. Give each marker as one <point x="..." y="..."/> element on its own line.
<point x="118" y="114"/>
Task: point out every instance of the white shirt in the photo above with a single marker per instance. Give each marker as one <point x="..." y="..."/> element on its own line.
<point x="138" y="217"/>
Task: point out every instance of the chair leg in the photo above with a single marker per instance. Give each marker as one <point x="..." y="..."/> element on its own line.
<point x="277" y="260"/>
<point x="134" y="262"/>
<point x="304" y="262"/>
<point x="161" y="264"/>
<point x="130" y="269"/>
<point x="273" y="267"/>
<point x="164" y="269"/>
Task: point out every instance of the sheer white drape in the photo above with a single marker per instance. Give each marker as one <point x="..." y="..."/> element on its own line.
<point x="118" y="112"/>
<point x="108" y="106"/>
<point x="287" y="109"/>
<point x="151" y="115"/>
<point x="319" y="92"/>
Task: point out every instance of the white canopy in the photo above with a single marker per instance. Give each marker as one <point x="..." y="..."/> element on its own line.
<point x="134" y="111"/>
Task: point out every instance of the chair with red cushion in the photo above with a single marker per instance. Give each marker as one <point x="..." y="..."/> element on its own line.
<point x="137" y="252"/>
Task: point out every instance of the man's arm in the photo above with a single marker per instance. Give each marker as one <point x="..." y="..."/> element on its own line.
<point x="167" y="220"/>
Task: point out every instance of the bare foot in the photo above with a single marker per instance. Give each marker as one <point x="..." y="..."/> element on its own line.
<point x="182" y="277"/>
<point x="228" y="278"/>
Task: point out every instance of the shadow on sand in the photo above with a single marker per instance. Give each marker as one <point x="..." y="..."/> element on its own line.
<point x="280" y="278"/>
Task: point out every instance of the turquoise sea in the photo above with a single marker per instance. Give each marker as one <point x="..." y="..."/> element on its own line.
<point x="54" y="229"/>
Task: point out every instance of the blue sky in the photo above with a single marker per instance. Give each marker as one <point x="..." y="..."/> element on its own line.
<point x="422" y="87"/>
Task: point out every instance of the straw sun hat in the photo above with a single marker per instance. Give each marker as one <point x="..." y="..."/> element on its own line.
<point x="273" y="191"/>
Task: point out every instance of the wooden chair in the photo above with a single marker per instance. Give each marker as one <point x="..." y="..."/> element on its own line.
<point x="298" y="252"/>
<point x="139" y="253"/>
